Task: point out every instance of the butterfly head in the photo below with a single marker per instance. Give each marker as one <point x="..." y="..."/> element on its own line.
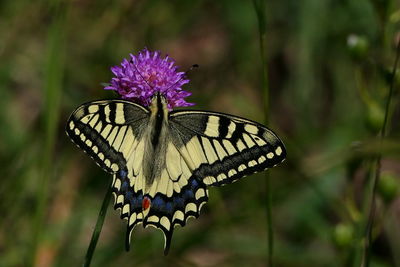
<point x="159" y="103"/>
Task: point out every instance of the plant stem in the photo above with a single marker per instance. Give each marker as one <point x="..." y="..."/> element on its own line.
<point x="98" y="227"/>
<point x="260" y="8"/>
<point x="368" y="237"/>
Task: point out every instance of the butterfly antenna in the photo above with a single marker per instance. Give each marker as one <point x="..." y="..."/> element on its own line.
<point x="190" y="69"/>
<point x="184" y="75"/>
<point x="134" y="65"/>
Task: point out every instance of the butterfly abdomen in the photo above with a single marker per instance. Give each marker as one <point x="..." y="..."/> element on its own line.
<point x="156" y="146"/>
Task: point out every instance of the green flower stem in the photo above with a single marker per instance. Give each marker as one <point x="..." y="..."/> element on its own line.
<point x="371" y="215"/>
<point x="98" y="227"/>
<point x="260" y="8"/>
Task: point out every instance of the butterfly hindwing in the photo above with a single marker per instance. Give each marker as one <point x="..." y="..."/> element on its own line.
<point x="222" y="148"/>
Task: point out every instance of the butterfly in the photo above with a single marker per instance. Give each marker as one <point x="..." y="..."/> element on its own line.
<point x="163" y="161"/>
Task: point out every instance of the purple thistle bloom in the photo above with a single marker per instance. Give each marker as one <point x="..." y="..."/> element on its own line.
<point x="146" y="73"/>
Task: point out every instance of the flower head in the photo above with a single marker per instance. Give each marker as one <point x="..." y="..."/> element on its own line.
<point x="139" y="78"/>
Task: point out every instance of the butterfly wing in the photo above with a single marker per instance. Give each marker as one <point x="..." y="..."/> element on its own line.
<point x="111" y="132"/>
<point x="221" y="148"/>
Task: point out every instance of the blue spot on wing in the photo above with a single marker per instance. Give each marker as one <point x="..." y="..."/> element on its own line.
<point x="157" y="203"/>
<point x="129" y="196"/>
<point x="169" y="208"/>
<point x="179" y="202"/>
<point x="124" y="186"/>
<point x="123" y="174"/>
<point x="195" y="184"/>
<point x="188" y="194"/>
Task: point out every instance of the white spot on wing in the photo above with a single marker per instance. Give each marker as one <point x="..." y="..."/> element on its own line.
<point x="125" y="209"/>
<point x="221" y="177"/>
<point x="231" y="129"/>
<point x="190" y="207"/>
<point x="120" y="199"/>
<point x="165" y="222"/>
<point x="119" y="114"/>
<point x="178" y="215"/>
<point x="278" y="150"/>
<point x="212" y="126"/>
<point x="153" y="219"/>
<point x="251" y="129"/>
<point x="88" y="143"/>
<point x="209" y="180"/>
<point x="242" y="167"/>
<point x="232" y="172"/>
<point x="114" y="167"/>
<point x="117" y="184"/>
<point x="107" y="112"/>
<point x="200" y="193"/>
<point x="107" y="163"/>
<point x="93" y="108"/>
<point x="252" y="163"/>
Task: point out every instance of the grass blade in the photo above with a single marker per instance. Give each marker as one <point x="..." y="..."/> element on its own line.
<point x="260" y="8"/>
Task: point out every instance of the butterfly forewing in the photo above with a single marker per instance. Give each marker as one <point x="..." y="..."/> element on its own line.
<point x="106" y="130"/>
<point x="221" y="148"/>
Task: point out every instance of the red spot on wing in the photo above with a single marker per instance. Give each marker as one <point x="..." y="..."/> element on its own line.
<point x="146" y="203"/>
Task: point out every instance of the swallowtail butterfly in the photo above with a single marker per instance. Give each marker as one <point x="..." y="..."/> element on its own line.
<point x="162" y="162"/>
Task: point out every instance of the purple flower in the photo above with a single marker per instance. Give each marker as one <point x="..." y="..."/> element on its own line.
<point x="145" y="74"/>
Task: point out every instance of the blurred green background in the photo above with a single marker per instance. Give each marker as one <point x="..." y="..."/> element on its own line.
<point x="329" y="70"/>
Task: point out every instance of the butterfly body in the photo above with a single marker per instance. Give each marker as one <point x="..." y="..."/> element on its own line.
<point x="162" y="161"/>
